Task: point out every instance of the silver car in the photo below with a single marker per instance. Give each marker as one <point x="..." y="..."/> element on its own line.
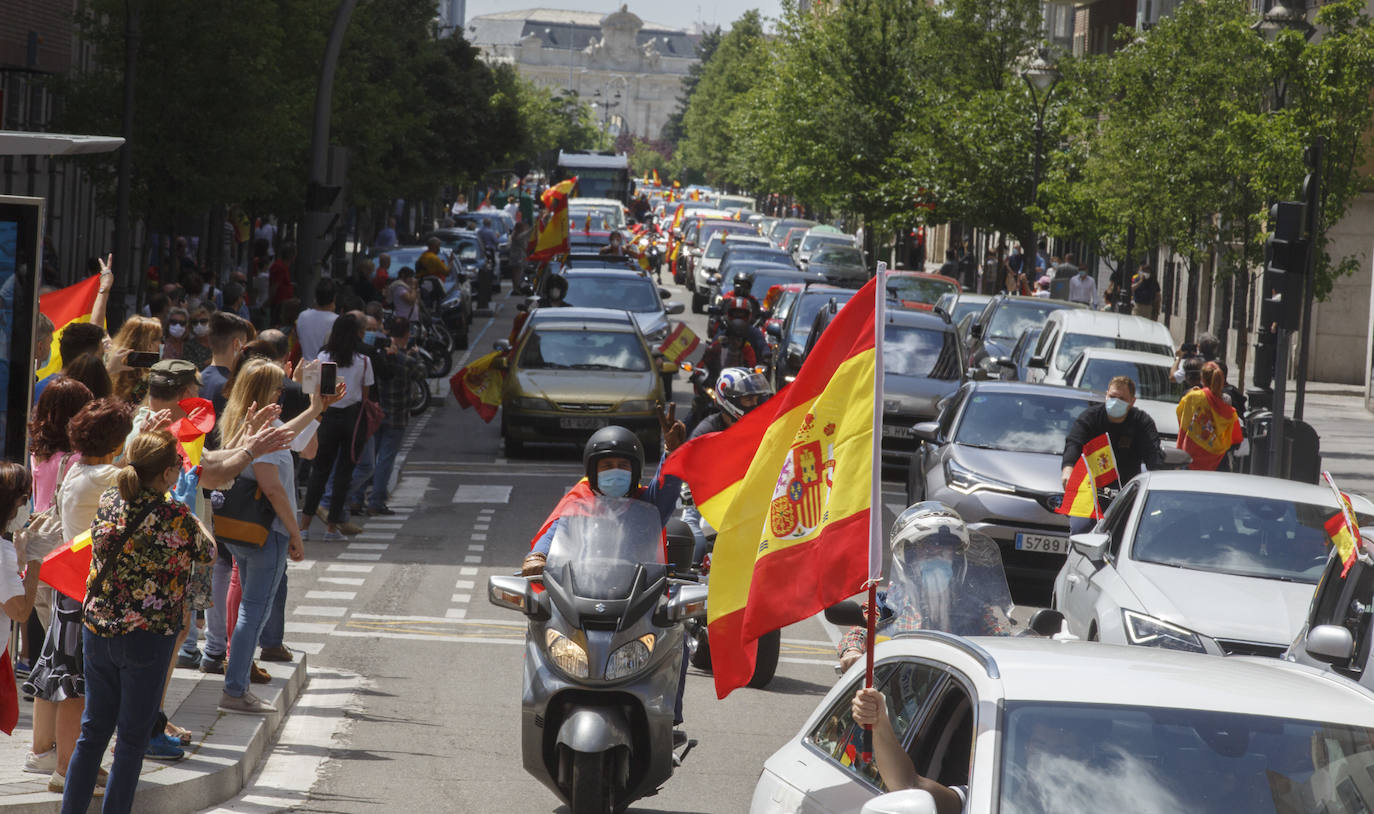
<point x="1209" y="562"/>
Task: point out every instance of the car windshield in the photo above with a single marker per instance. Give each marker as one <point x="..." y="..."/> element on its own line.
<point x="804" y="314"/>
<point x="629" y="292"/>
<point x="814" y="242"/>
<point x="1073" y="344"/>
<point x="602" y="544"/>
<point x="583" y="350"/>
<point x="1016" y="315"/>
<point x="714" y="249"/>
<point x="964" y="307"/>
<point x="465" y="250"/>
<point x="925" y="290"/>
<point x="839" y="255"/>
<point x="922" y="352"/>
<point x="1152" y="381"/>
<point x="760" y="253"/>
<point x="401" y="258"/>
<point x="1019" y="422"/>
<point x="1086" y="759"/>
<point x="594" y="219"/>
<point x="1234" y="534"/>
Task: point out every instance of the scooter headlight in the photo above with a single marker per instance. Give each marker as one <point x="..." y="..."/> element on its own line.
<point x="570" y="657"/>
<point x="631" y="657"/>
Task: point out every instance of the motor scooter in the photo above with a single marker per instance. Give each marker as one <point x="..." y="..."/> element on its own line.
<point x="603" y="656"/>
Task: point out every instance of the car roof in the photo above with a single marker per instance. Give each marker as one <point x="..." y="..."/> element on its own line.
<point x="918" y="319"/>
<point x="1232" y="483"/>
<point x="574" y="318"/>
<point x="1108" y="323"/>
<point x="1139" y="357"/>
<point x="1030" y="388"/>
<point x="607" y="202"/>
<point x="1035" y="669"/>
<point x="626" y="274"/>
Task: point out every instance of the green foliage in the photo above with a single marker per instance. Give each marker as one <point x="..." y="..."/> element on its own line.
<point x="736" y="66"/>
<point x="673" y="129"/>
<point x="552" y="120"/>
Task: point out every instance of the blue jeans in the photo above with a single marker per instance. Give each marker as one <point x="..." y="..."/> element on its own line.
<point x="388" y="446"/>
<point x="124" y="677"/>
<point x="275" y="629"/>
<point x="260" y="570"/>
<point x="216" y="618"/>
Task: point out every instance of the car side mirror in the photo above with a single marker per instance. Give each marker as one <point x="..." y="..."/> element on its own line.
<point x="664" y="294"/>
<point x="1006" y="362"/>
<point x="1046" y="622"/>
<point x="846" y="614"/>
<point x="907" y="801"/>
<point x="977" y="373"/>
<point x="675" y="308"/>
<point x="502" y="345"/>
<point x="976" y="330"/>
<point x="1175" y="458"/>
<point x="1092" y="545"/>
<point x="774" y="330"/>
<point x="690" y="603"/>
<point x="926" y="430"/>
<point x="1330" y="644"/>
<point x="1038" y="362"/>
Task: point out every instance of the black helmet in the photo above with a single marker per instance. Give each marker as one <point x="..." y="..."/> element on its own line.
<point x="613" y="442"/>
<point x="559" y="282"/>
<point x="744" y="282"/>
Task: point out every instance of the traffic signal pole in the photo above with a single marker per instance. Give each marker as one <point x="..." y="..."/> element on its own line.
<point x="1311" y="194"/>
<point x="1276" y="426"/>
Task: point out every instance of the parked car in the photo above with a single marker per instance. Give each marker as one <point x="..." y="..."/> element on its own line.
<point x="919" y="290"/>
<point x="841" y="265"/>
<point x="628" y="290"/>
<point x="1210" y="562"/>
<point x="923" y="363"/>
<point x="1068" y="331"/>
<point x="1156" y="392"/>
<point x="575" y="370"/>
<point x="1030" y="724"/>
<point x="1004" y="318"/>
<point x="793" y="334"/>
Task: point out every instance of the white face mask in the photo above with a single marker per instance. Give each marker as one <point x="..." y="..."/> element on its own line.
<point x="21" y="518"/>
<point x="176" y="331"/>
<point x="202" y="330"/>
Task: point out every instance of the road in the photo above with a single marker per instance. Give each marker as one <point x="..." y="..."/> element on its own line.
<point x="403" y="605"/>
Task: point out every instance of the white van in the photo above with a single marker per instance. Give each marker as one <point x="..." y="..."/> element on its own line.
<point x="1069" y="331"/>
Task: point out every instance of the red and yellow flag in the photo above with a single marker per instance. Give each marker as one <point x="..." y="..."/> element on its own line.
<point x="1096" y="467"/>
<point x="1343" y="528"/>
<point x="63" y="307"/>
<point x="789" y="489"/>
<point x="657" y="182"/>
<point x="551" y="239"/>
<point x="1101" y="460"/>
<point x="190" y="431"/>
<point x="67" y="567"/>
<point x="679" y="343"/>
<point x="478" y="385"/>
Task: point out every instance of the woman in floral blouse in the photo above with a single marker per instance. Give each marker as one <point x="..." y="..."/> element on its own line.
<point x="133" y="616"/>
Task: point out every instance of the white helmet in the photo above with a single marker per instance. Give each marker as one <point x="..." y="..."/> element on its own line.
<point x="734" y="384"/>
<point x="929" y="522"/>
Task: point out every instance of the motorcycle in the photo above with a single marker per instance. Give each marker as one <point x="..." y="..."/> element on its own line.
<point x="603" y="656"/>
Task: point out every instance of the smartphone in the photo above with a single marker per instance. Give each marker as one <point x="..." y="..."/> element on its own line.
<point x="142" y="358"/>
<point x="329" y="373"/>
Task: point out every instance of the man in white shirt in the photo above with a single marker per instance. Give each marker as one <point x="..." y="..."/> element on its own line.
<point x="313" y="325"/>
<point x="1083" y="288"/>
<point x="267" y="231"/>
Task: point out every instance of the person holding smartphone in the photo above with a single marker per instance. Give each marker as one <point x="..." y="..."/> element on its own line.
<point x="343" y="350"/>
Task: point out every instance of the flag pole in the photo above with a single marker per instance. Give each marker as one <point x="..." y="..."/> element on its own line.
<point x="875" y="504"/>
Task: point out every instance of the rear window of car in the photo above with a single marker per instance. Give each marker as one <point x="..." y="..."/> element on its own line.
<point x="1151" y="381"/>
<point x="806" y="310"/>
<point x="838" y="254"/>
<point x="627" y="292"/>
<point x="920" y="352"/>
<point x="1074" y="344"/>
<point x="1014" y="316"/>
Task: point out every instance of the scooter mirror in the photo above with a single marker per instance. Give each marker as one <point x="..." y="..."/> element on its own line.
<point x="511" y="593"/>
<point x="690" y="603"/>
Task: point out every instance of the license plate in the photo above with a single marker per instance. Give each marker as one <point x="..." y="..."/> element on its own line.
<point x="897" y="431"/>
<point x="1043" y="543"/>
<point x="581" y="423"/>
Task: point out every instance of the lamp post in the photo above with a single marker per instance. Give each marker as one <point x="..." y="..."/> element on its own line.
<point x="1040" y="76"/>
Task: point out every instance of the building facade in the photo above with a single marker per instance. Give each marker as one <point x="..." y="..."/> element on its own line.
<point x="630" y="70"/>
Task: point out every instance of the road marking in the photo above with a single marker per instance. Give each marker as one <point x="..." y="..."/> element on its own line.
<point x="476" y="547"/>
<point x="313" y="648"/>
<point x="481" y="527"/>
<point x="353" y="581"/>
<point x="456" y="613"/>
<point x="336" y="595"/>
<point x="349" y="555"/>
<point x="478" y="537"/>
<point x="319" y="610"/>
<point x="375" y="536"/>
<point x="794" y="660"/>
<point x="339" y="568"/>
<point x="472" y="559"/>
<point x="310" y="627"/>
<point x="468" y="572"/>
<point x="436" y="620"/>
<point x="465" y="584"/>
<point x="368" y="546"/>
<point x="303" y="565"/>
<point x="384" y="526"/>
<point x="424" y="637"/>
<point x="483" y="493"/>
<point x="459" y="599"/>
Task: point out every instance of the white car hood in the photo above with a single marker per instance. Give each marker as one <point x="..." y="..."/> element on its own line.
<point x="1220" y="605"/>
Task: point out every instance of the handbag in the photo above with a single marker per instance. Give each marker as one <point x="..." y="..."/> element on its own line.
<point x="43" y="534"/>
<point x="367" y="424"/>
<point x="246" y="516"/>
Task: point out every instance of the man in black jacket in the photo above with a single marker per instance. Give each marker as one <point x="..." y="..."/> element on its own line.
<point x="1131" y="431"/>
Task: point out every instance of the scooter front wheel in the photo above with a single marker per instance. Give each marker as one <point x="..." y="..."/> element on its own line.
<point x="591" y="783"/>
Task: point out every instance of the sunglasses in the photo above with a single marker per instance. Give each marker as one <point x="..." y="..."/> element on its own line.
<point x="176" y="322"/>
<point x="202" y="322"/>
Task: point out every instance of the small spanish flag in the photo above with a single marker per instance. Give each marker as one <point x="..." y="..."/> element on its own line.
<point x="657" y="182"/>
<point x="1101" y="460"/>
<point x="679" y="343"/>
<point x="67" y="567"/>
<point x="1096" y="467"/>
<point x="551" y="234"/>
<point x="1343" y="528"/>
<point x="63" y="307"/>
<point x="479" y="385"/>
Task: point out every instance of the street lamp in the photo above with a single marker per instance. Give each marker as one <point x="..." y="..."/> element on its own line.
<point x="1282" y="17"/>
<point x="1040" y="76"/>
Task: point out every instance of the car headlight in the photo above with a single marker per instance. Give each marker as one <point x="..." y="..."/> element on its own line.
<point x="657" y="335"/>
<point x="530" y="403"/>
<point x="636" y="406"/>
<point x="962" y="479"/>
<point x="566" y="653"/>
<point x="631" y="657"/>
<point x="1151" y="632"/>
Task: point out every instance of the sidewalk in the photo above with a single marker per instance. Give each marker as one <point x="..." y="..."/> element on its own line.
<point x="1346" y="429"/>
<point x="218" y="763"/>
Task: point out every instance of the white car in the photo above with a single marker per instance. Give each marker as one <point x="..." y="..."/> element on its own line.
<point x="1071" y="727"/>
<point x="816" y="238"/>
<point x="1210" y="562"/>
<point x="607" y="214"/>
<point x="1070" y="330"/>
<point x="1156" y="392"/>
<point x="709" y="263"/>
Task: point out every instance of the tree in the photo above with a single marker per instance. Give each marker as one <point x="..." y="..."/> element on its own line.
<point x="551" y="120"/>
<point x="673" y="129"/>
<point x="724" y="85"/>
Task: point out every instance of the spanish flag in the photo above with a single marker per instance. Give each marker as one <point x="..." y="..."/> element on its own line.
<point x="67" y="567"/>
<point x="191" y="430"/>
<point x="1096" y="467"/>
<point x="679" y="343"/>
<point x="1343" y="528"/>
<point x="789" y="487"/>
<point x="478" y="385"/>
<point x="63" y="307"/>
<point x="657" y="182"/>
<point x="551" y="239"/>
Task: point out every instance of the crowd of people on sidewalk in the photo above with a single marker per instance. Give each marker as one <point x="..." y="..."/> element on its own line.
<point x="189" y="538"/>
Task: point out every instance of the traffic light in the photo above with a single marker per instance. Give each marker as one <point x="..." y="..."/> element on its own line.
<point x="1285" y="266"/>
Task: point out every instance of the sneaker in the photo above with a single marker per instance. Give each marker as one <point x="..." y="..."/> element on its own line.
<point x="277" y="653"/>
<point x="45" y="763"/>
<point x="358" y="510"/>
<point x="188" y="661"/>
<point x="381" y="511"/>
<point x="350" y="528"/>
<point x="257" y="675"/>
<point x="333" y="537"/>
<point x="22" y="669"/>
<point x="248" y="702"/>
<point x="57" y="783"/>
<point x="305" y="535"/>
<point x="210" y="663"/>
<point x="164" y="747"/>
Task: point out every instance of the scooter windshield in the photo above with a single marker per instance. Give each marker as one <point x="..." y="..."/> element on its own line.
<point x="603" y="541"/>
<point x="957" y="589"/>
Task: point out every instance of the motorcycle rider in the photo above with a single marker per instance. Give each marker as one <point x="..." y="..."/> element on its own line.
<point x="744" y="309"/>
<point x="743" y="288"/>
<point x="730" y="349"/>
<point x="554" y="292"/>
<point x="942" y="578"/>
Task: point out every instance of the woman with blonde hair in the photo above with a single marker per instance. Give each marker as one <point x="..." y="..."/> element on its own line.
<point x="1207" y="425"/>
<point x="142" y="334"/>
<point x="143" y="544"/>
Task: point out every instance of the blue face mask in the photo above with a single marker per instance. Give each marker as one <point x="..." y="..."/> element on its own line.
<point x="613" y="482"/>
<point x="939" y="569"/>
<point x="370" y="338"/>
<point x="1117" y="408"/>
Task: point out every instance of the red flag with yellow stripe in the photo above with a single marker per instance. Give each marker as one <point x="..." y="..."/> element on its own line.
<point x="1096" y="467"/>
<point x="789" y="489"/>
<point x="679" y="343"/>
<point x="551" y="239"/>
<point x="63" y="307"/>
<point x="1343" y="528"/>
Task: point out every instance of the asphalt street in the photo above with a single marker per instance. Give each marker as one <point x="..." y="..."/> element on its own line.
<point x="434" y="723"/>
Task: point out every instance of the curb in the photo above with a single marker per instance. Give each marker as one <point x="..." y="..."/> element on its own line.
<point x="217" y="767"/>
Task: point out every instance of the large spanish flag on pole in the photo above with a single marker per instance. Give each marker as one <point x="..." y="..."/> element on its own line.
<point x="551" y="239"/>
<point x="789" y="488"/>
<point x="63" y="307"/>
